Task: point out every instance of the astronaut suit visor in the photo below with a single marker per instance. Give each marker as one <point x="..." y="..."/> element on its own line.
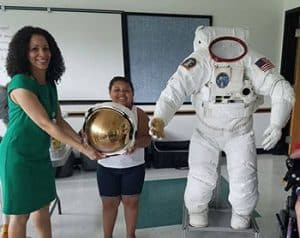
<point x="227" y="49"/>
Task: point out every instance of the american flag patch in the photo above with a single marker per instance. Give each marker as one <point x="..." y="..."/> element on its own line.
<point x="264" y="64"/>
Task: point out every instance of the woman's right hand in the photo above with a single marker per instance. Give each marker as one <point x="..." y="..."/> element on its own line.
<point x="91" y="153"/>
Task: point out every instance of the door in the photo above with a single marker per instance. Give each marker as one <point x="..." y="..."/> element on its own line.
<point x="295" y="119"/>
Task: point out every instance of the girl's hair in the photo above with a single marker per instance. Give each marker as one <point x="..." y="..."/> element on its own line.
<point x="17" y="58"/>
<point x="120" y="78"/>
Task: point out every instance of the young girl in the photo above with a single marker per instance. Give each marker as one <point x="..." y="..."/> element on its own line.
<point x="121" y="178"/>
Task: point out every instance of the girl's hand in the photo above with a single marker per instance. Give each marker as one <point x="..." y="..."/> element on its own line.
<point x="92" y="153"/>
<point x="130" y="150"/>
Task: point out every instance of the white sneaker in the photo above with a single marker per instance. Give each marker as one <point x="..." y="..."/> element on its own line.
<point x="199" y="219"/>
<point x="239" y="222"/>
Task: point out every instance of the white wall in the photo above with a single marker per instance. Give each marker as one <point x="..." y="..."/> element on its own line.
<point x="290" y="4"/>
<point x="264" y="18"/>
<point x="180" y="127"/>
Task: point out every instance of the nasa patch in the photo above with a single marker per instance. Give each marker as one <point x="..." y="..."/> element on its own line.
<point x="222" y="80"/>
<point x="189" y="63"/>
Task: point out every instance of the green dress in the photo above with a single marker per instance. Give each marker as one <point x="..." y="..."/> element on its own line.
<point x="26" y="172"/>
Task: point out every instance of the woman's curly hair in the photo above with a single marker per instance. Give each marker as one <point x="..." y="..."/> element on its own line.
<point x="17" y="58"/>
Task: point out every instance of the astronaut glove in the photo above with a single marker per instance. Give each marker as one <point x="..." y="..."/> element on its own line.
<point x="271" y="136"/>
<point x="156" y="128"/>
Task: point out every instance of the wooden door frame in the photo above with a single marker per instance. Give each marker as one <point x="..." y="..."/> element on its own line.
<point x="294" y="123"/>
<point x="288" y="61"/>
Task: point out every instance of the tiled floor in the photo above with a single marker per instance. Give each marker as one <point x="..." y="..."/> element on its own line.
<point x="81" y="206"/>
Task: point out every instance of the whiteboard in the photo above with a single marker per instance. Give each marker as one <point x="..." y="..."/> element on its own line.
<point x="91" y="44"/>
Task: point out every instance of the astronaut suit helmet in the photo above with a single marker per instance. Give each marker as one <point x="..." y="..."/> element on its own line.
<point x="227" y="49"/>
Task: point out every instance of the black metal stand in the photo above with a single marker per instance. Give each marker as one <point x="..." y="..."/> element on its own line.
<point x="287" y="218"/>
<point x="56" y="202"/>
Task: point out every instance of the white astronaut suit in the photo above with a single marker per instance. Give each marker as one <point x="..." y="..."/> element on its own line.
<point x="226" y="81"/>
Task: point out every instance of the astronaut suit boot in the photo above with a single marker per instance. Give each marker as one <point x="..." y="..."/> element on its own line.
<point x="227" y="82"/>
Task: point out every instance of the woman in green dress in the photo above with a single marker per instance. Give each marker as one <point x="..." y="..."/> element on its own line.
<point x="35" y="65"/>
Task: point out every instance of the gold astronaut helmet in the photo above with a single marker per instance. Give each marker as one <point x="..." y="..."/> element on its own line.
<point x="110" y="128"/>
